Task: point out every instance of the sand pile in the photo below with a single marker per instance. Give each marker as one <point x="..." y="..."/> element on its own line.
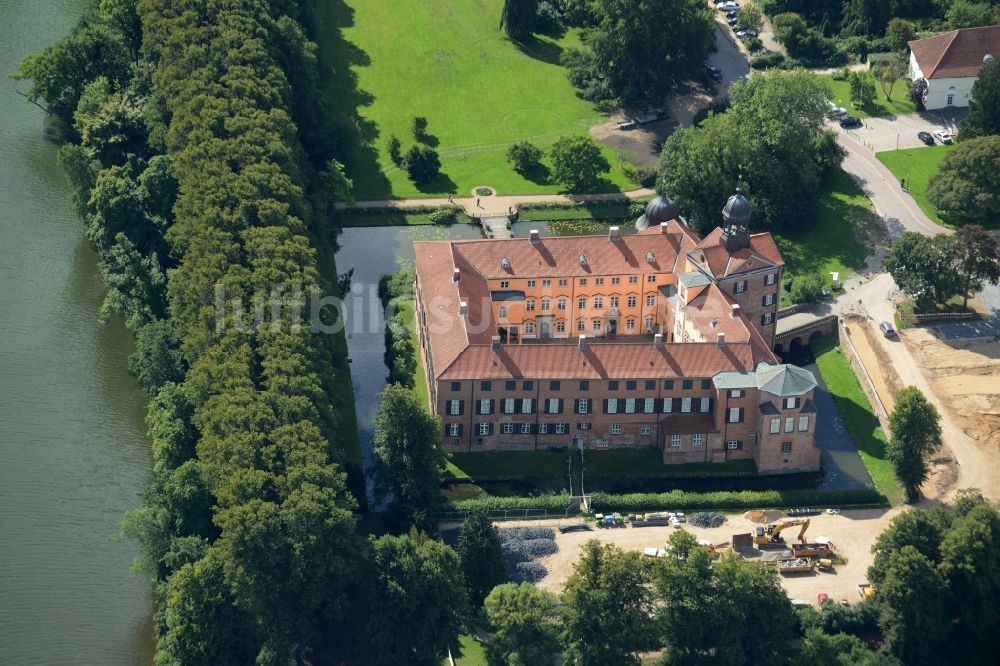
<point x="764" y="515"/>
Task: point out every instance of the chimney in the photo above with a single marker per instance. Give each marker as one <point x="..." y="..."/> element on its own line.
<point x="658" y="340"/>
<point x="664" y="227"/>
<point x="582" y="346"/>
<point x="495" y="343"/>
<point x="456" y="275"/>
<point x="722" y="340"/>
<point x="735" y="310"/>
<point x="533" y="237"/>
<point x="614" y="234"/>
<point x="463" y="307"/>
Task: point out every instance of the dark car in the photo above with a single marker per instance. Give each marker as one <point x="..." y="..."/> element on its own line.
<point x="733" y="21"/>
<point x="926" y="138"/>
<point x="713" y="72"/>
<point x="887" y="329"/>
<point x="730" y="15"/>
<point x="850" y="122"/>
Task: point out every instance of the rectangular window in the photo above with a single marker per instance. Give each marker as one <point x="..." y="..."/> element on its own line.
<point x="616" y="280"/>
<point x="668" y="384"/>
<point x="484" y="406"/>
<point x="528" y="406"/>
<point x="668" y="405"/>
<point x="504" y="284"/>
<point x="650" y="300"/>
<point x="598" y="302"/>
<point x="529" y="305"/>
<point x="554" y="385"/>
<point x="560" y="304"/>
<point x="736" y="393"/>
<point x="581" y="325"/>
<point x="510" y="385"/>
<point x="454" y="407"/>
<point x="597" y="324"/>
<point x="582" y="406"/>
<point x="581" y="304"/>
<point x="508" y="428"/>
<point x="705" y="402"/>
<point x="456" y="386"/>
<point x="685" y="405"/>
<point x="584" y="385"/>
<point x="706" y="383"/>
<point x="766" y="318"/>
<point x="553" y="406"/>
<point x="531" y="284"/>
<point x="613" y="385"/>
<point x="733" y="445"/>
<point x="789" y="424"/>
<point x="769" y="279"/>
<point x="560" y="327"/>
<point x="546" y="283"/>
<point x="484" y="429"/>
<point x="543" y="428"/>
<point x="525" y="428"/>
<point x="454" y="429"/>
<point x="650" y="384"/>
<point x="698" y="439"/>
<point x="791" y="403"/>
<point x="583" y="282"/>
<point x="734" y="414"/>
<point x="614" y="301"/>
<point x="645" y="430"/>
<point x="633" y="279"/>
<point x="612" y="405"/>
<point x="508" y="405"/>
<point x="741" y="286"/>
<point x="630" y="385"/>
<point x="564" y="282"/>
<point x="768" y="299"/>
<point x="560" y="428"/>
<point x="786" y="447"/>
<point x="649" y="405"/>
<point x="675" y="441"/>
<point x="651" y="279"/>
<point x="599" y="281"/>
<point x="631" y="301"/>
<point x="528" y="386"/>
<point x="616" y="428"/>
<point x="630" y="405"/>
<point x="687" y="384"/>
<point x="485" y="386"/>
<point x="775" y="426"/>
<point x="803" y="423"/>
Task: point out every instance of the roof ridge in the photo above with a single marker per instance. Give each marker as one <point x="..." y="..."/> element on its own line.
<point x="953" y="35"/>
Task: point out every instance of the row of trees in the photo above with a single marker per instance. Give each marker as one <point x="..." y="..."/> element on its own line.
<point x="773" y="134"/>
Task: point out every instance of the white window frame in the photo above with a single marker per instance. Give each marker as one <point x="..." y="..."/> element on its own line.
<point x="529" y="305"/>
<point x="546" y="283"/>
<point x="560" y="428"/>
<point x="616" y="428"/>
<point x="563" y="282"/>
<point x="583" y="406"/>
<point x="633" y="279"/>
<point x="525" y="428"/>
<point x="786" y="447"/>
<point x="546" y="304"/>
<point x="560" y="327"/>
<point x="767" y="318"/>
<point x="775" y="426"/>
<point x="531" y="284"/>
<point x="543" y="428"/>
<point x="769" y="299"/>
<point x="668" y="405"/>
<point x="733" y="445"/>
<point x="803" y="423"/>
<point x="769" y="279"/>
<point x="581" y="325"/>
<point x="650" y="300"/>
<point x="527" y="404"/>
<point x="598" y="302"/>
<point x="508" y="428"/>
<point x="454" y="429"/>
<point x="484" y="406"/>
<point x="597" y="324"/>
<point x="649" y="323"/>
<point x="698" y="439"/>
<point x="734" y="415"/>
<point x="505" y="284"/>
<point x="454" y="407"/>
<point x="554" y="405"/>
<point x="736" y="393"/>
<point x="705" y="402"/>
<point x="616" y="280"/>
<point x="484" y="429"/>
<point x="581" y="303"/>
<point x="790" y="424"/>
<point x="529" y="327"/>
<point x="613" y="302"/>
<point x="612" y="405"/>
<point x="630" y="405"/>
<point x="645" y="430"/>
<point x="741" y="286"/>
<point x="631" y="301"/>
<point x="560" y="303"/>
<point x="790" y="403"/>
<point x="599" y="281"/>
<point x="686" y="405"/>
<point x="502" y="312"/>
<point x="675" y="441"/>
<point x="649" y="406"/>
<point x="630" y="324"/>
<point x="509" y="405"/>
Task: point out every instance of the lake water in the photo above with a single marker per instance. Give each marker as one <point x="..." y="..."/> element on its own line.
<point x="73" y="453"/>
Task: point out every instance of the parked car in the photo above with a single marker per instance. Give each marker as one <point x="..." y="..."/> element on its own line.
<point x="746" y="34"/>
<point x="944" y="136"/>
<point x="887" y="329"/>
<point x="733" y="21"/>
<point x="729" y="7"/>
<point x="628" y="125"/>
<point x="926" y="138"/>
<point x="714" y="72"/>
<point x="837" y="111"/>
<point x="732" y="14"/>
<point x="850" y="122"/>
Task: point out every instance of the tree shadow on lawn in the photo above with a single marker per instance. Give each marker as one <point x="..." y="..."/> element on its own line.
<point x="599" y="186"/>
<point x="540" y="49"/>
<point x="337" y="57"/>
<point x="538" y="174"/>
<point x="440" y="184"/>
<point x="429" y="140"/>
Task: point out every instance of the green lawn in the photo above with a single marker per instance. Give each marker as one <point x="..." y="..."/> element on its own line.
<point x="448" y="61"/>
<point x="596" y="210"/>
<point x="389" y="218"/>
<point x="855" y="408"/>
<point x="408" y="310"/>
<point x="511" y="464"/>
<point x="648" y="463"/>
<point x="917" y="165"/>
<point x="842" y="238"/>
<point x="469" y="652"/>
<point x="899" y="104"/>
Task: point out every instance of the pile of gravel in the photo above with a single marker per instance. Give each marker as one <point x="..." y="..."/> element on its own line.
<point x="525" y="533"/>
<point x="706" y="519"/>
<point x="529" y="549"/>
<point x="527" y="572"/>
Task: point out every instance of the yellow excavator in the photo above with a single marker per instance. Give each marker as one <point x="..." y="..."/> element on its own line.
<point x="772" y="533"/>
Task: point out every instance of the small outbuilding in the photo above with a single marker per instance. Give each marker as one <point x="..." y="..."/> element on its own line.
<point x="950" y="62"/>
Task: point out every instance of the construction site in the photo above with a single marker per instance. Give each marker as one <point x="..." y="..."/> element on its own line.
<point x="819" y="556"/>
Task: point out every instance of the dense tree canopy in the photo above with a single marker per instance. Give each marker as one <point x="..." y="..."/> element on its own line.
<point x="976" y="255"/>
<point x="578" y="163"/>
<point x="923" y="267"/>
<point x="916" y="434"/>
<point x="518" y="18"/>
<point x="525" y="633"/>
<point x="967" y="184"/>
<point x="482" y="556"/>
<point x="984" y="103"/>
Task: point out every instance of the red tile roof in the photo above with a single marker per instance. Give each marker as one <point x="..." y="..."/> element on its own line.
<point x="956" y="54"/>
<point x="712" y="254"/>
<point x="683" y="424"/>
<point x="713" y="304"/>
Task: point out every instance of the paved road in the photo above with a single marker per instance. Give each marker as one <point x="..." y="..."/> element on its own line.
<point x="898" y="132"/>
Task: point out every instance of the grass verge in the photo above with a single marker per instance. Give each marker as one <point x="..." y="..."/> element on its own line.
<point x="450" y="62"/>
<point x="389" y="218"/>
<point x="882" y="106"/>
<point x="469" y="652"/>
<point x="858" y="414"/>
<point x="917" y="165"/>
<point x="647" y="463"/>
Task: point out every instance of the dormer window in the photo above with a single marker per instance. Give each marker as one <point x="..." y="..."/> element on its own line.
<point x="583" y="260"/>
<point x="650" y="257"/>
<point x="505" y="263"/>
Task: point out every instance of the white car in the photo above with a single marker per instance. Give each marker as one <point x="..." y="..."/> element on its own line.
<point x="728" y="6"/>
<point x="838" y="111"/>
<point x="943" y="136"/>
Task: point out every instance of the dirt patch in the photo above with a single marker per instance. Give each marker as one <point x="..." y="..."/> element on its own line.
<point x="852" y="534"/>
<point x="640" y="146"/>
<point x="764" y="516"/>
<point x="881" y="372"/>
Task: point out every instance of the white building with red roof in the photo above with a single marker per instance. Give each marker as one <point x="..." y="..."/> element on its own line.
<point x="950" y="63"/>
<point x="654" y="339"/>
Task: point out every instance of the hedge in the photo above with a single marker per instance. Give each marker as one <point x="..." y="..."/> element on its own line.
<point x="743" y="499"/>
<point x="542" y="502"/>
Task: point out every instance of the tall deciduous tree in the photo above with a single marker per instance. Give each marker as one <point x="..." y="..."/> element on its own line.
<point x="898" y="33"/>
<point x="923" y="267"/>
<point x="607" y="609"/>
<point x="578" y="163"/>
<point x="862" y="89"/>
<point x="984" y="104"/>
<point x="888" y="74"/>
<point x="922" y="530"/>
<point x="914" y="601"/>
<point x="916" y="434"/>
<point x="518" y="18"/>
<point x="482" y="556"/>
<point x="416" y="600"/>
<point x="751" y="18"/>
<point x="967" y="184"/>
<point x="977" y="258"/>
<point x="524" y="631"/>
<point x="408" y="461"/>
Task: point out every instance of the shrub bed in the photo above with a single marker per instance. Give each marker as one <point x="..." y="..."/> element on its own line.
<point x="558" y="502"/>
<point x="746" y="499"/>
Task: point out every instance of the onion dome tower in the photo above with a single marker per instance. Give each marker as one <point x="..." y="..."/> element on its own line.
<point x="660" y="209"/>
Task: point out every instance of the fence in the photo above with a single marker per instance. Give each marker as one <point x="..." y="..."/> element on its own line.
<point x="938" y="316"/>
<point x="512" y="514"/>
<point x="867" y="384"/>
<point x="789" y="311"/>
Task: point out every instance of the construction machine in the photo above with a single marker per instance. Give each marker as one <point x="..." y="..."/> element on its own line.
<point x="772" y="533"/>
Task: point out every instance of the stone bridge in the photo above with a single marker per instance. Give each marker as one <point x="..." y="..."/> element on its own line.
<point x="798" y="333"/>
